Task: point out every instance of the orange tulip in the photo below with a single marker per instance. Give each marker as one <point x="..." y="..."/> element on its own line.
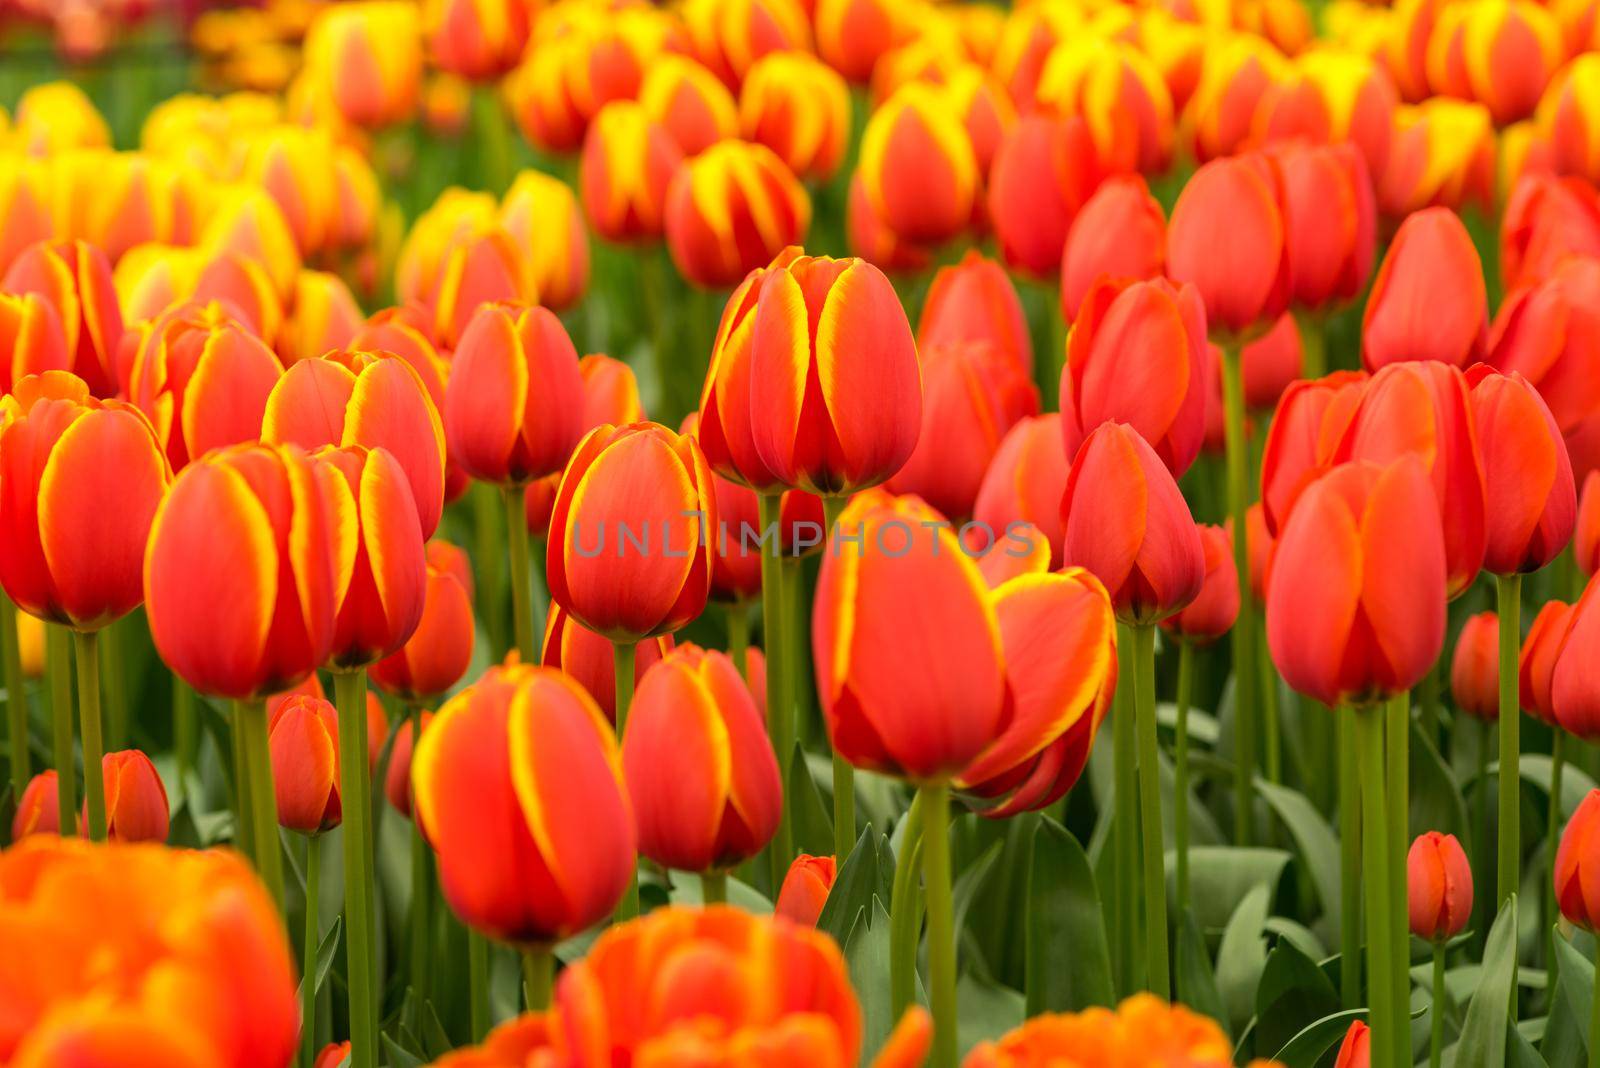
<point x="1428" y="301"/>
<point x="1355" y="607"/>
<point x="367" y="58"/>
<point x="805" y="889"/>
<point x="1330" y="222"/>
<point x="39" y="807"/>
<point x="1310" y="422"/>
<point x="1573" y="696"/>
<point x="575" y="650"/>
<point x="514" y="400"/>
<point x="1442" y="155"/>
<point x="1240" y="71"/>
<point x="295" y="165"/>
<point x="303" y="735"/>
<point x="1574" y="869"/>
<point x="1536" y="666"/>
<point x="1271" y="363"/>
<point x="1142" y="1030"/>
<point x="542" y="217"/>
<point x="1121" y="233"/>
<point x="1332" y="97"/>
<point x="173" y="929"/>
<point x="482" y="268"/>
<point x="80" y="481"/>
<point x="1025" y="480"/>
<point x="1475" y="667"/>
<point x="1530" y="505"/>
<point x="135" y="799"/>
<point x="439" y="651"/>
<point x="1549" y="331"/>
<point x="1438" y="887"/>
<point x="323" y="315"/>
<point x="1228" y="236"/>
<point x="631" y="559"/>
<point x="1126" y="522"/>
<point x="740" y="540"/>
<point x="1567" y="117"/>
<point x="477" y="39"/>
<point x="1356" y="1049"/>
<point x="1119" y="92"/>
<point x="800" y="109"/>
<point x="852" y="35"/>
<point x="1211" y="614"/>
<point x="242" y="581"/>
<point x="152" y="278"/>
<point x="917" y="165"/>
<point x="1501" y="53"/>
<point x="975" y="300"/>
<point x="1586" y="533"/>
<point x="31" y="331"/>
<point x="871" y="239"/>
<point x="1136" y="355"/>
<point x="972" y="395"/>
<point x="249" y="223"/>
<point x="535" y="842"/>
<point x="731" y="209"/>
<point x="628" y="161"/>
<point x="332" y="1055"/>
<point x="25" y="196"/>
<point x="1547" y="219"/>
<point x="729" y="36"/>
<point x="690" y="102"/>
<point x="1259" y="548"/>
<point x="397" y="781"/>
<point x="75" y="278"/>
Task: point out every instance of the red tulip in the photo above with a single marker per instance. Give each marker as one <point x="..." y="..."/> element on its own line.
<point x="574" y="649"/>
<point x="736" y="567"/>
<point x="1045" y="172"/>
<point x="39" y="807"/>
<point x="975" y="301"/>
<point x="917" y="165"/>
<point x="1356" y="1049"/>
<point x="1271" y="363"/>
<point x="1121" y="233"/>
<point x="1577" y="892"/>
<point x="439" y="651"/>
<point x="1259" y="547"/>
<point x="805" y="889"/>
<point x="1530" y="506"/>
<point x="1229" y="237"/>
<point x="1438" y="887"/>
<point x="1549" y="331"/>
<point x="1575" y="679"/>
<point x="628" y="161"/>
<point x="800" y="109"/>
<point x="871" y="239"/>
<point x="1211" y="614"/>
<point x="1330" y="222"/>
<point x="1428" y="301"/>
<point x="1536" y="666"/>
<point x="1025" y="481"/>
<point x="1547" y="219"/>
<point x="1586" y="534"/>
<point x="730" y="209"/>
<point x="75" y="277"/>
<point x="690" y="102"/>
<point x="477" y="39"/>
<point x="303" y="735"/>
<point x="397" y="782"/>
<point x="31" y="332"/>
<point x="1310" y="423"/>
<point x="1475" y="667"/>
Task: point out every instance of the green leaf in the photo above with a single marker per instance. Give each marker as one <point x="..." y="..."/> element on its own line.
<point x="1293" y="994"/>
<point x="867" y="872"/>
<point x="1483" y="1034"/>
<point x="813" y="826"/>
<point x="399" y="1056"/>
<point x="1068" y="964"/>
<point x="1197" y="984"/>
<point x="866" y="951"/>
<point x="688" y="890"/>
<point x="1306" y="1049"/>
<point x="985" y="1010"/>
<point x="1242" y="956"/>
<point x="1436" y="797"/>
<point x="1520" y="1052"/>
<point x="1221" y="876"/>
<point x="967" y="885"/>
<point x="1577" y="981"/>
<point x="326" y="949"/>
<point x="1315" y="840"/>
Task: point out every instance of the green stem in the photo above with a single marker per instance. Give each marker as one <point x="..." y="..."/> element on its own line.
<point x="1155" y="877"/>
<point x="622" y="661"/>
<point x="1313" y="344"/>
<point x="185" y="731"/>
<point x="1509" y="591"/>
<point x="1380" y="940"/>
<point x="478" y="982"/>
<point x="713" y="888"/>
<point x="1349" y="861"/>
<point x="1125" y="826"/>
<point x="844" y="776"/>
<point x="739" y="637"/>
<point x="780" y="717"/>
<point x="16" y="697"/>
<point x="1552" y="837"/>
<point x="1436" y="1011"/>
<point x="250" y="719"/>
<point x="494" y="148"/>
<point x="244" y="826"/>
<point x="1244" y="627"/>
<point x="1594" y="1029"/>
<point x="116" y="688"/>
<point x="905" y="915"/>
<point x="1397" y="725"/>
<point x="521" y="576"/>
<point x="308" y="953"/>
<point x="350" y="697"/>
<point x="486" y="562"/>
<point x="941" y="922"/>
<point x="1271" y="732"/>
<point x="90" y="725"/>
<point x="1180" y="760"/>
<point x="421" y="888"/>
<point x="538" y="976"/>
<point x="58" y="656"/>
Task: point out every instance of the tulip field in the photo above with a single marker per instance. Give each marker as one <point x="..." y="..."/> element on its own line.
<point x="799" y="533"/>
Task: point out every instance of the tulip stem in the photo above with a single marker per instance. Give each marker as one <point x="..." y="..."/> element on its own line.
<point x="1125" y="826"/>
<point x="538" y="976"/>
<point x="941" y="922"/>
<point x="905" y="915"/>
<point x="308" y="952"/>
<point x="350" y="698"/>
<point x="622" y="660"/>
<point x="1436" y="1040"/>
<point x="58" y="654"/>
<point x="780" y="717"/>
<point x="1594" y="1029"/>
<point x="713" y="888"/>
<point x="115" y="690"/>
<point x="521" y="573"/>
<point x="1397" y="724"/>
<point x="1155" y="876"/>
<point x="250" y="719"/>
<point x="1380" y="941"/>
<point x="478" y="982"/>
<point x="421" y="884"/>
<point x="1557" y="760"/>
<point x="244" y="827"/>
<point x="185" y="733"/>
<point x="844" y="775"/>
<point x="1244" y="626"/>
<point x="94" y="778"/>
<point x="494" y="149"/>
<point x="1509" y="591"/>
<point x="1349" y="861"/>
<point x="1313" y="344"/>
<point x="1180" y="760"/>
<point x="739" y="637"/>
<point x="16" y="698"/>
<point x="1270" y="730"/>
<point x="486" y="563"/>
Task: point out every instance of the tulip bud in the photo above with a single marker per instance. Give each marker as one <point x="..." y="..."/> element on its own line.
<point x="1119" y="92"/>
<point x="39" y="807"/>
<point x="332" y="1055"/>
<point x="25" y="215"/>
<point x="482" y="268"/>
<point x="31" y="331"/>
<point x="324" y="315"/>
<point x="1025" y="481"/>
<point x="690" y="103"/>
<point x="303" y="735"/>
<point x="1549" y="331"/>
<point x="1574" y="690"/>
<point x="1330" y="222"/>
<point x="1030" y="34"/>
<point x="1211" y="614"/>
<point x="871" y="239"/>
<point x="800" y="109"/>
<point x="805" y="889"/>
<point x="575" y="650"/>
<point x="1438" y="887"/>
<point x="541" y="215"/>
<point x="1121" y="233"/>
<point x="1356" y="1049"/>
<point x="439" y="651"/>
<point x="136" y="800"/>
<point x="238" y="608"/>
<point x="1530" y="506"/>
<point x="1475" y="667"/>
<point x="1500" y="53"/>
<point x="515" y="397"/>
<point x="1355" y="608"/>
<point x="75" y="278"/>
<point x="495" y="806"/>
<point x="1233" y="204"/>
<point x="1240" y="71"/>
<point x="397" y="781"/>
<point x="1442" y="155"/>
<point x="974" y="300"/>
<point x="1136" y="355"/>
<point x="1574" y="868"/>
<point x="367" y="58"/>
<point x="729" y="36"/>
<point x="852" y="35"/>
<point x="477" y="39"/>
<point x="1428" y="301"/>
<point x="628" y="161"/>
<point x="731" y="209"/>
<point x="1536" y="666"/>
<point x="1567" y="117"/>
<point x="1586" y="535"/>
<point x="1310" y="422"/>
<point x="1546" y="221"/>
<point x="1045" y="171"/>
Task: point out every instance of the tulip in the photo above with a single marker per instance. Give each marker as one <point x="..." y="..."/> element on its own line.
<point x="975" y="301"/>
<point x="853" y="35"/>
<point x="575" y="650"/>
<point x="1572" y="674"/>
<point x="31" y="331"/>
<point x="1530" y="504"/>
<point x="1212" y="612"/>
<point x="1566" y="118"/>
<point x="1586" y="537"/>
<point x="918" y="167"/>
<point x="496" y="808"/>
<point x="1549" y="331"/>
<point x="1228" y="236"/>
<point x="152" y="278"/>
<point x="1474" y="667"/>
<point x="1428" y="301"/>
<point x="1271" y="363"/>
<point x="799" y="529"/>
<point x="25" y="216"/>
<point x="800" y="109"/>
<point x="1311" y="421"/>
<point x="690" y="103"/>
<point x="1121" y="233"/>
<point x="75" y="278"/>
<point x="628" y="161"/>
<point x="1501" y="53"/>
<point x="805" y="889"/>
<point x="1574" y="859"/>
<point x="1439" y="882"/>
<point x="135" y="799"/>
<point x="437" y="654"/>
<point x="1119" y="92"/>
<point x="1353" y="95"/>
<point x="542" y="217"/>
<point x="303" y="735"/>
<point x="397" y="782"/>
<point x="367" y="58"/>
<point x="1442" y="155"/>
<point x="456" y="217"/>
<point x="480" y="268"/>
<point x="1142" y="1030"/>
<point x="1025" y="481"/>
<point x="1135" y="355"/>
<point x="1044" y="173"/>
<point x="476" y="39"/>
<point x="324" y="316"/>
<point x="1329" y="220"/>
<point x="1356" y="1049"/>
<point x="1240" y="72"/>
<point x="38" y="808"/>
<point x="332" y="1055"/>
<point x="871" y="239"/>
<point x="295" y="165"/>
<point x="729" y="36"/>
<point x="1547" y="219"/>
<point x="731" y="209"/>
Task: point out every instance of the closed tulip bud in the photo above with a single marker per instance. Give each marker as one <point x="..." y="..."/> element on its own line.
<point x="332" y="1055"/>
<point x="1119" y="92"/>
<point x="1026" y="41"/>
<point x="497" y="807"/>
<point x="575" y="650"/>
<point x="439" y="651"/>
<point x="1475" y="667"/>
<point x="629" y="557"/>
<point x="39" y="807"/>
<point x="1500" y="53"/>
<point x="152" y="278"/>
<point x="1574" y="869"/>
<point x="397" y="780"/>
<point x="1271" y="363"/>
<point x="1259" y="548"/>
<point x="456" y="217"/>
<point x="1211" y="614"/>
<point x="1425" y="410"/>
<point x="800" y="109"/>
<point x="1239" y="72"/>
<point x="1586" y="533"/>
<point x="1574" y="685"/>
<point x="1229" y="237"/>
<point x="1428" y="301"/>
<point x="136" y="800"/>
<point x="1025" y="481"/>
<point x="541" y="215"/>
<point x="81" y="482"/>
<point x="1330" y="222"/>
<point x="56" y="116"/>
<point x="1356" y="98"/>
<point x="731" y="209"/>
<point x="1143" y="1029"/>
<point x="871" y="239"/>
<point x="1530" y="504"/>
<point x="1136" y="355"/>
<point x="1146" y="548"/>
<point x="1568" y="120"/>
<point x="1310" y="422"/>
<point x="1547" y="220"/>
<point x="484" y="268"/>
<point x="852" y="35"/>
<point x="1438" y="887"/>
<point x="295" y="165"/>
<point x="367" y="58"/>
<point x="729" y="36"/>
<point x="477" y="39"/>
<point x="1549" y="331"/>
<point x="1536" y="666"/>
<point x="249" y="223"/>
<point x="1121" y="233"/>
<point x="1442" y="155"/>
<point x="985" y="110"/>
<point x="689" y="102"/>
<point x="25" y="214"/>
<point x="303" y="735"/>
<point x="1356" y="1049"/>
<point x="238" y="607"/>
<point x="805" y="889"/>
<point x="975" y="300"/>
<point x="918" y="167"/>
<point x="628" y="161"/>
<point x="75" y="278"/>
<point x="323" y="315"/>
<point x="31" y="332"/>
<point x="514" y="402"/>
<point x="1355" y="608"/>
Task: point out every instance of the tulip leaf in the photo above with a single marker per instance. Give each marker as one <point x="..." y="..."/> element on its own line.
<point x="1520" y="1050"/>
<point x="1318" y="845"/>
<point x="1197" y="983"/>
<point x="326" y="949"/>
<point x="1306" y="1049"/>
<point x="1536" y="768"/>
<point x="968" y="883"/>
<point x="1483" y="1034"/>
<point x="867" y="872"/>
<point x="813" y="827"/>
<point x="985" y="1009"/>
<point x="1293" y="994"/>
<point x="399" y="1056"/>
<point x="1067" y="962"/>
<point x="866" y="951"/>
<point x="1436" y="798"/>
<point x="1221" y="876"/>
<point x="1242" y="956"/>
<point x="1576" y="984"/>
